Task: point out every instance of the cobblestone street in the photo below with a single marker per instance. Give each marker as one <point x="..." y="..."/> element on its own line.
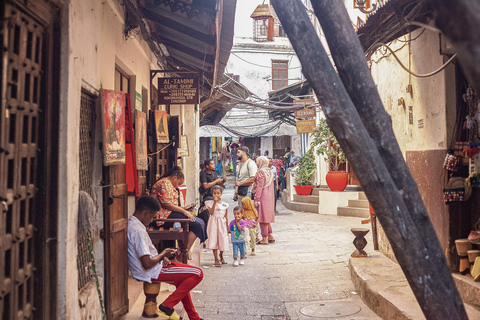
<point x="303" y="275"/>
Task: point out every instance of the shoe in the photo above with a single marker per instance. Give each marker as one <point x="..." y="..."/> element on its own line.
<point x="242" y="262"/>
<point x="235" y="263"/>
<point x="253" y="254"/>
<point x="167" y="313"/>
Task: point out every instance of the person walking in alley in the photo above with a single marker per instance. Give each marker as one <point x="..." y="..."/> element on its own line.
<point x="275" y="181"/>
<point x="208" y="179"/>
<point x="250" y="216"/>
<point x="147" y="265"/>
<point x="264" y="201"/>
<point x="217" y="225"/>
<point x="246" y="174"/>
<point x="237" y="231"/>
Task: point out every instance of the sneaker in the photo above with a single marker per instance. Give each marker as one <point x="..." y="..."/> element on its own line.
<point x="253" y="253"/>
<point x="242" y="262"/>
<point x="235" y="263"/>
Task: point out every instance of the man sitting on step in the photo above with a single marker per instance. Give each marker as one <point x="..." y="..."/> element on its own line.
<point x="148" y="266"/>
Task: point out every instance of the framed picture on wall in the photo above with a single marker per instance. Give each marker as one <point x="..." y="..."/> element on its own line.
<point x="141" y="140"/>
<point x="113" y="127"/>
<point x="161" y="125"/>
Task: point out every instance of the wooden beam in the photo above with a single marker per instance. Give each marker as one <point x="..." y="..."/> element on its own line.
<point x="423" y="271"/>
<point x="214" y="98"/>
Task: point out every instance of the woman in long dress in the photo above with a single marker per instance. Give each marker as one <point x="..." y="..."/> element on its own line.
<point x="264" y="199"/>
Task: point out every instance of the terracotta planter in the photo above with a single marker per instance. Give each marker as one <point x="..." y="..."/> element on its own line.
<point x="303" y="190"/>
<point x="337" y="180"/>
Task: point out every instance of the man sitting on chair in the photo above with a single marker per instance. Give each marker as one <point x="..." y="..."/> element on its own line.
<point x="148" y="266"/>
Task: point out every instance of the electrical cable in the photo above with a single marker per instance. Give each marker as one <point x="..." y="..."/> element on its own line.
<point x="425" y="75"/>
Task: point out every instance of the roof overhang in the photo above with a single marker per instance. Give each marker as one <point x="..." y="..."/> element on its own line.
<point x="193" y="35"/>
<point x="389" y="22"/>
<point x="288" y="95"/>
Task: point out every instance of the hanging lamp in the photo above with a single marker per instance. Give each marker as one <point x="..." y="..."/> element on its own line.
<point x="263" y="23"/>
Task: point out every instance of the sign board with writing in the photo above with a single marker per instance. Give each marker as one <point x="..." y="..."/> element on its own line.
<point x="305" y="126"/>
<point x="183" y="149"/>
<point x="305" y="113"/>
<point x="178" y="91"/>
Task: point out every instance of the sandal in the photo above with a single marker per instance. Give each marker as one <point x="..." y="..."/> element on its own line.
<point x="263" y="243"/>
<point x="271" y="241"/>
<point x="224" y="262"/>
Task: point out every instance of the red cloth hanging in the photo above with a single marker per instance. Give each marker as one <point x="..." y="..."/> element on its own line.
<point x="130" y="161"/>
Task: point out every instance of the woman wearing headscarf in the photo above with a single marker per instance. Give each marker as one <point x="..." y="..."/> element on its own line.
<point x="264" y="199"/>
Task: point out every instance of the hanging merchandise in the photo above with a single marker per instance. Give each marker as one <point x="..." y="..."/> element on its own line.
<point x="457" y="190"/>
<point x="219" y="144"/>
<point x="214" y="144"/>
<point x="453" y="195"/>
<point x="451" y="162"/>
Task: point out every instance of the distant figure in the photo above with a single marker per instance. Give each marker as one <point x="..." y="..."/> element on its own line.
<point x="294" y="158"/>
<point x="246" y="174"/>
<point x="275" y="181"/>
<point x="250" y="215"/>
<point x="264" y="201"/>
<point x="265" y="153"/>
<point x="287" y="157"/>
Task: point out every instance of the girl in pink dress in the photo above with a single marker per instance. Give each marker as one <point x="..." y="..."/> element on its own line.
<point x="264" y="200"/>
<point x="217" y="225"/>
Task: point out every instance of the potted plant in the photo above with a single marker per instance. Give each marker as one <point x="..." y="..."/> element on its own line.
<point x="305" y="168"/>
<point x="328" y="146"/>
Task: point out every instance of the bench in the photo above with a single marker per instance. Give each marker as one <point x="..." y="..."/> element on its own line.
<point x="169" y="234"/>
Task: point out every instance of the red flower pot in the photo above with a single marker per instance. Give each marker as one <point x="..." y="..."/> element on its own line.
<point x="303" y="190"/>
<point x="337" y="180"/>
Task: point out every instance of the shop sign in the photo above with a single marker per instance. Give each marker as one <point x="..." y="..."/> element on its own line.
<point x="305" y="126"/>
<point x="305" y="113"/>
<point x="178" y="91"/>
<point x="183" y="148"/>
<point x="113" y="127"/>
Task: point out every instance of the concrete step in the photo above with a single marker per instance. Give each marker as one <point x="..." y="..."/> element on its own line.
<point x="307" y="199"/>
<point x="358" y="203"/>
<point x="302" y="206"/>
<point x="353" y="212"/>
<point x="383" y="287"/>
<point x="315" y="191"/>
<point x="362" y="196"/>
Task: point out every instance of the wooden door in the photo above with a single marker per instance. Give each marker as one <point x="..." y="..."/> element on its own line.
<point x="25" y="70"/>
<point x="116" y="266"/>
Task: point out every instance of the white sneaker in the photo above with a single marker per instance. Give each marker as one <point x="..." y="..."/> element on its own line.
<point x="242" y="262"/>
<point x="235" y="263"/>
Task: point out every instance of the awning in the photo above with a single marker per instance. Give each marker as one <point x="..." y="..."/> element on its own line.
<point x="300" y="89"/>
<point x="194" y="35"/>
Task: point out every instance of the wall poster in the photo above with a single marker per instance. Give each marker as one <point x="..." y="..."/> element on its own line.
<point x="183" y="149"/>
<point x="141" y="140"/>
<point x="161" y="125"/>
<point x="113" y="127"/>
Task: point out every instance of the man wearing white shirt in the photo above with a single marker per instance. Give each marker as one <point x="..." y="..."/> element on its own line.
<point x="147" y="265"/>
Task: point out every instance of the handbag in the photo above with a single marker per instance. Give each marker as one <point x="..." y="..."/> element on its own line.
<point x="451" y="162"/>
<point x="453" y="195"/>
<point x="242" y="190"/>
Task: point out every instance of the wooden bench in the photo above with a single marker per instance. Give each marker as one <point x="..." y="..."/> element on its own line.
<point x="169" y="234"/>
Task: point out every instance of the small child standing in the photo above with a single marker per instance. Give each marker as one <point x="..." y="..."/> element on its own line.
<point x="250" y="216"/>
<point x="217" y="228"/>
<point x="237" y="230"/>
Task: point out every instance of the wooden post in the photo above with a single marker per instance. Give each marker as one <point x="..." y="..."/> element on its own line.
<point x="424" y="269"/>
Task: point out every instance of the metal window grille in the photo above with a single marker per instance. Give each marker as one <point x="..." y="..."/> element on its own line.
<point x="87" y="141"/>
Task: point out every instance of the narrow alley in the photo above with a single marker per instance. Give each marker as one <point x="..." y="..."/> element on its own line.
<point x="303" y="274"/>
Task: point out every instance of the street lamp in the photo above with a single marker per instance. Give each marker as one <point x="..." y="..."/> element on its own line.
<point x="262" y="23"/>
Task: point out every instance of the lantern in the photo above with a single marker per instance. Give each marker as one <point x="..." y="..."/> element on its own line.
<point x="263" y="23"/>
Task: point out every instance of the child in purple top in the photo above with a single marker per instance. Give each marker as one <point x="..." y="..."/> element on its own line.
<point x="237" y="231"/>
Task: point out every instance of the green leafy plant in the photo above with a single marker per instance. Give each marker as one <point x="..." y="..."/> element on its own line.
<point x="327" y="145"/>
<point x="306" y="167"/>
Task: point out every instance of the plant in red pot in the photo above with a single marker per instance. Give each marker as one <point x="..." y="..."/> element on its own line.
<point x="305" y="169"/>
<point x="328" y="146"/>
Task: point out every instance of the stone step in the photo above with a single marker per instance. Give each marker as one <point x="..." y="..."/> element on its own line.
<point x="307" y="199"/>
<point x="358" y="203"/>
<point x="362" y="196"/>
<point x="302" y="206"/>
<point x="315" y="191"/>
<point x="353" y="212"/>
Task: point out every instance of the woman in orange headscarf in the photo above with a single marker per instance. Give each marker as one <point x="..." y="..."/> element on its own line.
<point x="250" y="216"/>
<point x="264" y="200"/>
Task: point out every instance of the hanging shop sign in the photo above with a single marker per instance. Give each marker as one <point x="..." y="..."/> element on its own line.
<point x="305" y="126"/>
<point x="178" y="90"/>
<point x="141" y="140"/>
<point x="305" y="113"/>
<point x="113" y="127"/>
<point x="183" y="149"/>
<point x="161" y="125"/>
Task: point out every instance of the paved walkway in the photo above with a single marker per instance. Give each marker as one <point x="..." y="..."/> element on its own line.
<point x="303" y="275"/>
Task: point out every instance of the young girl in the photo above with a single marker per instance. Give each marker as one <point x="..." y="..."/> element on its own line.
<point x="217" y="225"/>
<point x="250" y="216"/>
<point x="237" y="230"/>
